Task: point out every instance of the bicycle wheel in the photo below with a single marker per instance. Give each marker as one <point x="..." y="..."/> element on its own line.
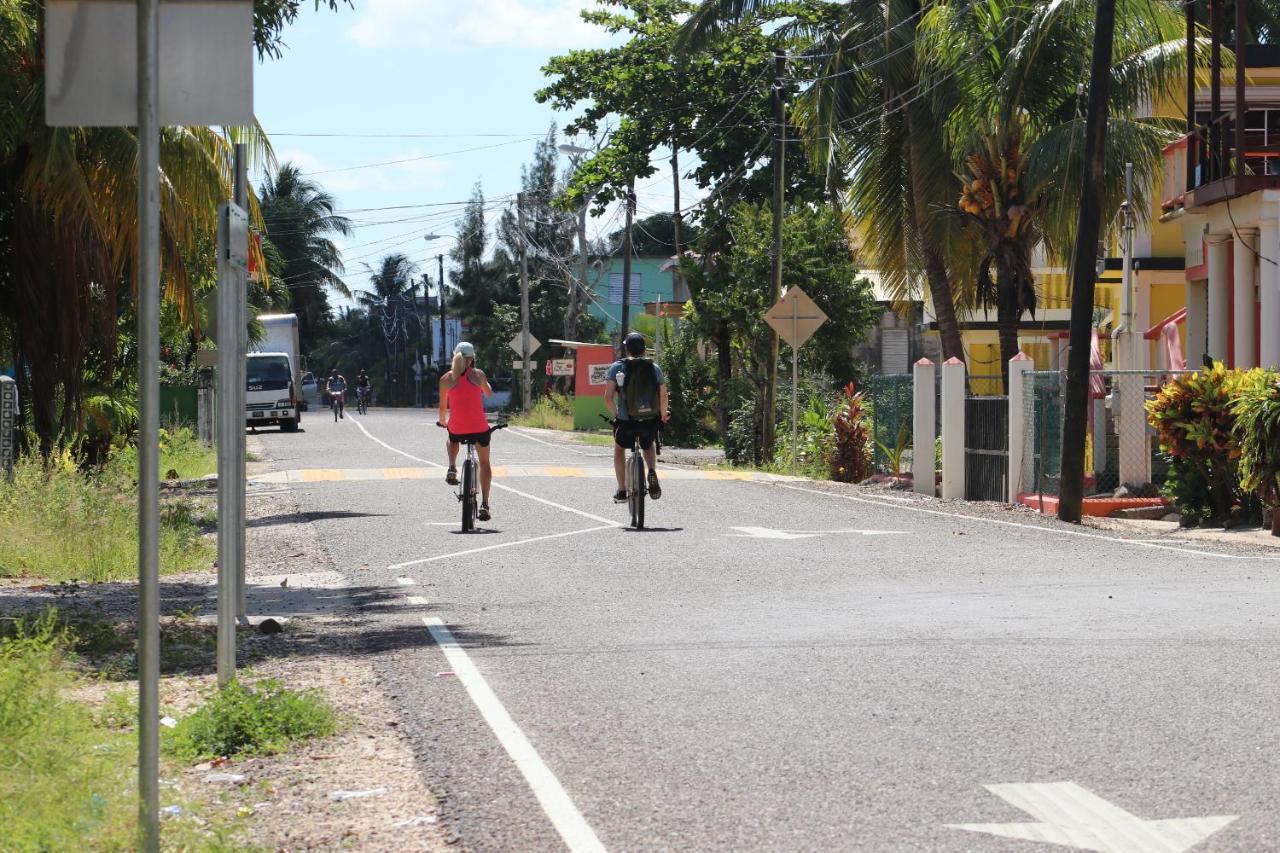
<point x="468" y="497"/>
<point x="334" y="406"/>
<point x="637" y="491"/>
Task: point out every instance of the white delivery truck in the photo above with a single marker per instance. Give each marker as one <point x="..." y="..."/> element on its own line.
<point x="274" y="372"/>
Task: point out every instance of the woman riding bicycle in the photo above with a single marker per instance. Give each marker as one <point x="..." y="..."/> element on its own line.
<point x="462" y="393"/>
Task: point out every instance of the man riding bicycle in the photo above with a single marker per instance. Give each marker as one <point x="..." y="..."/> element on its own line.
<point x="336" y="386"/>
<point x="362" y="387"/>
<point x="462" y="392"/>
<point x="635" y="392"/>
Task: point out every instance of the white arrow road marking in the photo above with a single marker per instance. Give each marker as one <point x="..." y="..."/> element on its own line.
<point x="770" y="533"/>
<point x="1072" y="816"/>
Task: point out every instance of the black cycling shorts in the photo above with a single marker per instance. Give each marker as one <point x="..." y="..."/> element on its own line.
<point x="480" y="438"/>
<point x="624" y="433"/>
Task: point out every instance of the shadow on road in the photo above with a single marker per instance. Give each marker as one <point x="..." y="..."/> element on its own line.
<point x="317" y="621"/>
<point x="303" y="518"/>
<point x="652" y="530"/>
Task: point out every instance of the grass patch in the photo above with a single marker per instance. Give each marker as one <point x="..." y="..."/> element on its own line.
<point x="67" y="781"/>
<point x="595" y="439"/>
<point x="180" y="452"/>
<point x="245" y="720"/>
<point x="61" y="522"/>
<point x="550" y="412"/>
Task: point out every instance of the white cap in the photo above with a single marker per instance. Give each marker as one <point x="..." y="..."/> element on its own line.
<point x="464" y="349"/>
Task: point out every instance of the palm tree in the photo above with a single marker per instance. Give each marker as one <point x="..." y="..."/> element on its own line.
<point x="1009" y="75"/>
<point x="392" y="306"/>
<point x="68" y="201"/>
<point x="867" y="125"/>
<point x="300" y="220"/>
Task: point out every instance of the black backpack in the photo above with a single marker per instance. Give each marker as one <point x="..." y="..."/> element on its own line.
<point x="640" y="389"/>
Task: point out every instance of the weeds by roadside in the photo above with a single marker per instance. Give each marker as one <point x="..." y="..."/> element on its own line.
<point x="62" y="522"/>
<point x="67" y="779"/>
<point x="251" y="720"/>
<point x="550" y="412"/>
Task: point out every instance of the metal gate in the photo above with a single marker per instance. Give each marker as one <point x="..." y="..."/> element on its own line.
<point x="986" y="448"/>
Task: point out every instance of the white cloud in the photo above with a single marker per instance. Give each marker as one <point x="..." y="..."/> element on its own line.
<point x="543" y="24"/>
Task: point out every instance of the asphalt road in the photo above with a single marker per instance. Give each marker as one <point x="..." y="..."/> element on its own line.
<point x="774" y="667"/>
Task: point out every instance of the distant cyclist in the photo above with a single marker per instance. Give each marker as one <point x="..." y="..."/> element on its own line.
<point x="362" y="387"/>
<point x="462" y="393"/>
<point x="336" y="387"/>
<point x="635" y="392"/>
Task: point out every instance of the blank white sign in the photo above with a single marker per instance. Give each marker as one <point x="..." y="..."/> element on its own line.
<point x="91" y="63"/>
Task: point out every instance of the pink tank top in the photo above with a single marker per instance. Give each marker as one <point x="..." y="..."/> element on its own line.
<point x="466" y="407"/>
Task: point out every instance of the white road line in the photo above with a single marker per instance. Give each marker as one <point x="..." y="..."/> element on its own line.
<point x="574" y="830"/>
<point x="403" y="581"/>
<point x="417" y="601"/>
<point x="524" y="434"/>
<point x="1051" y="530"/>
<point x="496" y="485"/>
<point x="500" y="545"/>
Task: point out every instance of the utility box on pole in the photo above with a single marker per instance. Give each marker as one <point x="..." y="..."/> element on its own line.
<point x="8" y="424"/>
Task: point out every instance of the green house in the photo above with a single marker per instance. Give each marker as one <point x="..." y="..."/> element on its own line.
<point x="649" y="284"/>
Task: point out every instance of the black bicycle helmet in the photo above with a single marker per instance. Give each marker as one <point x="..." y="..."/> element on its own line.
<point x="634" y="344"/>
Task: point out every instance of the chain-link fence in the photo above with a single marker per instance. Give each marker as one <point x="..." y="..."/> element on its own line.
<point x="1120" y="447"/>
<point x="891" y="416"/>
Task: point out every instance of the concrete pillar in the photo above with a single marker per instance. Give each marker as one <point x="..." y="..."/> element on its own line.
<point x="924" y="418"/>
<point x="1197" y="323"/>
<point x="1131" y="423"/>
<point x="1019" y="366"/>
<point x="1245" y="296"/>
<point x="1269" y="279"/>
<point x="1219" y="297"/>
<point x="953" y="396"/>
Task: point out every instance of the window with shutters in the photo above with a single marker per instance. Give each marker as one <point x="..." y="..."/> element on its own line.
<point x="615" y="288"/>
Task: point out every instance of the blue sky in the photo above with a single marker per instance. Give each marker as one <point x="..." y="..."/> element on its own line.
<point x="435" y="80"/>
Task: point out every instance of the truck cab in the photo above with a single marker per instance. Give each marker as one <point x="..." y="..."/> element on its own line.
<point x="270" y="395"/>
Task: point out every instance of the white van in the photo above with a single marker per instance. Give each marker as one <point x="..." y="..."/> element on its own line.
<point x="270" y="395"/>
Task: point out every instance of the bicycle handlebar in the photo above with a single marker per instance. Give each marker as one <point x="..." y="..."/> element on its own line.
<point x="492" y="427"/>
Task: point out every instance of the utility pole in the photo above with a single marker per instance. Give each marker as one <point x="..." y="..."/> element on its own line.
<point x="1126" y="350"/>
<point x="676" y="221"/>
<point x="444" y="334"/>
<point x="775" y="250"/>
<point x="1071" y="492"/>
<point x="626" y="260"/>
<point x="525" y="376"/>
<point x="426" y="329"/>
<point x="148" y="426"/>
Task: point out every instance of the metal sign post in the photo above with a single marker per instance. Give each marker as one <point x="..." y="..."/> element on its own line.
<point x="233" y="247"/>
<point x="103" y="63"/>
<point x="795" y="317"/>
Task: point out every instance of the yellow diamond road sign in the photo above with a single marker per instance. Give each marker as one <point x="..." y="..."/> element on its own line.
<point x="795" y="317"/>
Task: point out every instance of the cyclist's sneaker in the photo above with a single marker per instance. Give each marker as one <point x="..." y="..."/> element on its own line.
<point x="451" y="476"/>
<point x="483" y="514"/>
<point x="655" y="490"/>
<point x="620" y="496"/>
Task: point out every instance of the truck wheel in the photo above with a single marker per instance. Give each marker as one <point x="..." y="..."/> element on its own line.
<point x="290" y="425"/>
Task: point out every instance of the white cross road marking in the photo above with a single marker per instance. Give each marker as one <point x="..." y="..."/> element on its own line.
<point x="403" y="581"/>
<point x="1072" y="816"/>
<point x="417" y="601"/>
<point x="770" y="533"/>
